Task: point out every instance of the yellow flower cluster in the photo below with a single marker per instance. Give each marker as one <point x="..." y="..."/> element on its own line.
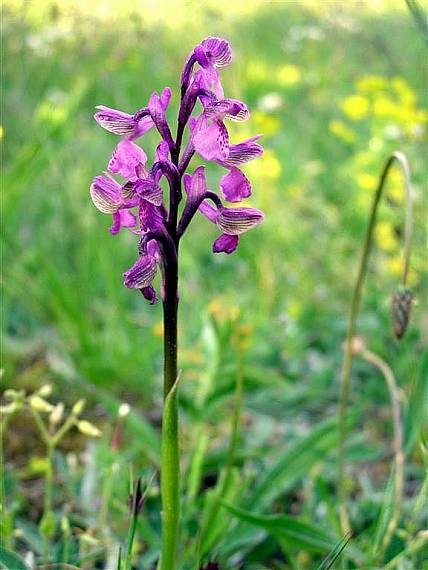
<point x="391" y="102"/>
<point x="385" y="236"/>
<point x="342" y="131"/>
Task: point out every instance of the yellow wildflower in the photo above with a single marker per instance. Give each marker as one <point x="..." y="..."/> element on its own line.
<point x="395" y="265"/>
<point x="342" y="131"/>
<point x="404" y="91"/>
<point x="385" y="236"/>
<point x="356" y="107"/>
<point x="384" y="107"/>
<point x="367" y="181"/>
<point x="371" y="83"/>
<point x="288" y="75"/>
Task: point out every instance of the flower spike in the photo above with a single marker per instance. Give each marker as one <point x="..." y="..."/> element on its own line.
<point x="137" y="201"/>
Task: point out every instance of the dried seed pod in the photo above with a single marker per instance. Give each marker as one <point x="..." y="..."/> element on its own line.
<point x="401" y="307"/>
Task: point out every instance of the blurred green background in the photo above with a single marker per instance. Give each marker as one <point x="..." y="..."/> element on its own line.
<point x="334" y="87"/>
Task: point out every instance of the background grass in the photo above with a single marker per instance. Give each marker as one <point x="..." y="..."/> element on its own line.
<point x="334" y="87"/>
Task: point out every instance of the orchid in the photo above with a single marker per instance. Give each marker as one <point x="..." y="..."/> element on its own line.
<point x="137" y="201"/>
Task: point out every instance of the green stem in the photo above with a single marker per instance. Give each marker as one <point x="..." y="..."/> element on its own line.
<point x="355" y="306"/>
<point x="398" y="445"/>
<point x="170" y="471"/>
<point x="130" y="542"/>
<point x="47" y="509"/>
<point x="6" y="517"/>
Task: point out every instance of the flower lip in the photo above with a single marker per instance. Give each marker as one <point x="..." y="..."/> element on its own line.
<point x="236" y="221"/>
<point x="243" y="152"/>
<point x="114" y="121"/>
<point x="227" y="108"/>
<point x="217" y="51"/>
<point x="225" y="244"/>
<point x="141" y="274"/>
<point x="106" y="194"/>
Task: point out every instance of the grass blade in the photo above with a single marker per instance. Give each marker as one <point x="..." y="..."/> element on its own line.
<point x="331" y="558"/>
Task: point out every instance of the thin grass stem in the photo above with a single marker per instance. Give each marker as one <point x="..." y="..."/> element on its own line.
<point x="387" y="373"/>
<point x="345" y="376"/>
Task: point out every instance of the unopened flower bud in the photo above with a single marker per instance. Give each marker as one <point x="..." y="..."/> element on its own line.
<point x="40" y="405"/>
<point x="136" y="499"/>
<point x="401" y="308"/>
<point x="45" y="391"/>
<point x="8" y="409"/>
<point x="11" y="394"/>
<point x="57" y="414"/>
<point x="77" y="409"/>
<point x="87" y="428"/>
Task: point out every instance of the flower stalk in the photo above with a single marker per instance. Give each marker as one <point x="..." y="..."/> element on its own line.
<point x="345" y="376"/>
<point x="387" y="373"/>
<point x="138" y="203"/>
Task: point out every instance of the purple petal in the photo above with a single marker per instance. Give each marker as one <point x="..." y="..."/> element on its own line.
<point x="122" y="219"/>
<point x="196" y="184"/>
<point x="115" y="121"/>
<point x="227" y="108"/>
<point x="126" y="158"/>
<point x="212" y="81"/>
<point x="165" y="98"/>
<point x="187" y="71"/>
<point x="106" y="194"/>
<point x="225" y="244"/>
<point x="141" y="274"/>
<point x="201" y="56"/>
<point x="150" y="294"/>
<point x="243" y="152"/>
<point x="235" y="221"/>
<point x="211" y="141"/>
<point x="217" y="51"/>
<point x="235" y="186"/>
<point x="157" y="107"/>
<point x="150" y="191"/>
<point x="143" y="126"/>
<point x="162" y="151"/>
<point x="153" y="248"/>
<point x="151" y="217"/>
<point x="209" y="211"/>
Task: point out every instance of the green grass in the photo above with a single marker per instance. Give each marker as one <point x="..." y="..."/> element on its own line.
<point x="67" y="317"/>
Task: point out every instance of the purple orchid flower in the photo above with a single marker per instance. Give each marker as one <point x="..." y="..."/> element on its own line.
<point x="139" y="203"/>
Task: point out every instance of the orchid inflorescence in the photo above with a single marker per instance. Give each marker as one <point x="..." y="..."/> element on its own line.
<point x="138" y="202"/>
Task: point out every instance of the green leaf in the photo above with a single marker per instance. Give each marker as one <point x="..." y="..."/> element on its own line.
<point x="295" y="463"/>
<point x="416" y="416"/>
<point x="384" y="514"/>
<point x="332" y="556"/>
<point x="296" y="533"/>
<point x="119" y="559"/>
<point x="11" y="561"/>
